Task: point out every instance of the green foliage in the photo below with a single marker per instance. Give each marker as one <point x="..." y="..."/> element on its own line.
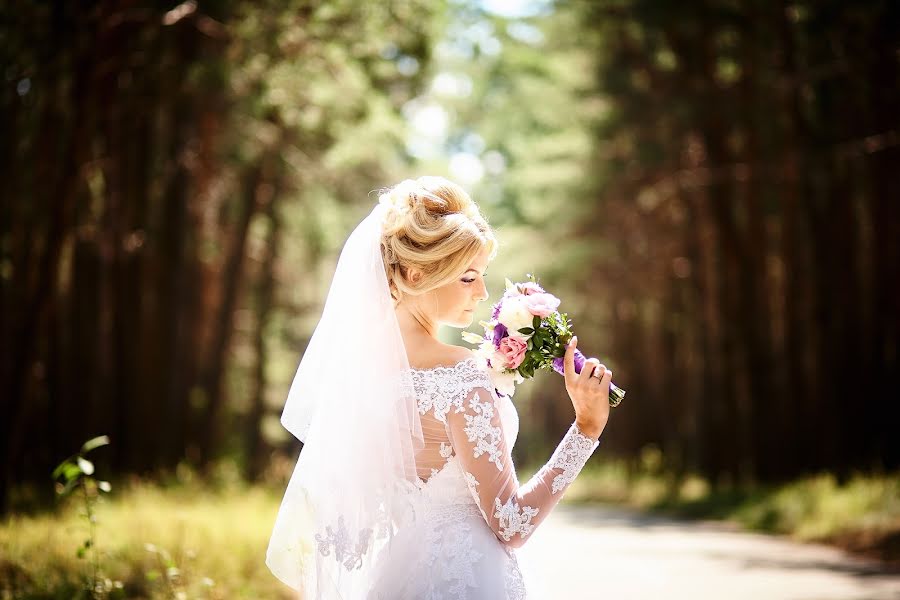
<point x="184" y="541"/>
<point x="222" y="150"/>
<point x="76" y="472"/>
<point x="687" y="178"/>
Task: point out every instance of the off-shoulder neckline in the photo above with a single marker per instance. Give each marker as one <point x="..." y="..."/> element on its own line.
<point x="452" y="367"/>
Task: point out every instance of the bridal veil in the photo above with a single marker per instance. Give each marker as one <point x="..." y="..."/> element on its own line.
<point x="357" y="418"/>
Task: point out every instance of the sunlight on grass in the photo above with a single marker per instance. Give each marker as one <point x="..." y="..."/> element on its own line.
<point x="816" y="508"/>
<point x="154" y="543"/>
<point x="190" y="541"/>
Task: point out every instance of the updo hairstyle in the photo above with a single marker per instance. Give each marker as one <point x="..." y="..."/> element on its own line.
<point x="434" y="226"/>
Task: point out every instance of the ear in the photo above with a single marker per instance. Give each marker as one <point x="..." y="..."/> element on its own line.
<point x="414" y="275"/>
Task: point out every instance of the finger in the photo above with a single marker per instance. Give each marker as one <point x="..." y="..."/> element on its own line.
<point x="569" y="359"/>
<point x="599" y="370"/>
<point x="590" y="365"/>
<point x="606" y="379"/>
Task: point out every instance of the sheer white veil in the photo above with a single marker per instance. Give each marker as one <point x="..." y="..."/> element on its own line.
<point x="355" y="412"/>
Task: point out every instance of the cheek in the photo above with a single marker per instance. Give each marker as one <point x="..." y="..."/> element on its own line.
<point x="449" y="297"/>
<point x="456" y="295"/>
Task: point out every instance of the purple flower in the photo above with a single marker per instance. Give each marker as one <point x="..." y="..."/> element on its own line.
<point x="496" y="312"/>
<point x="559" y="364"/>
<point x="500" y="332"/>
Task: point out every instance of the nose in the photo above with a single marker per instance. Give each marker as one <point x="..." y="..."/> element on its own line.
<point x="483" y="293"/>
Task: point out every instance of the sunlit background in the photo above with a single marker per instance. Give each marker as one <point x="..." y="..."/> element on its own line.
<point x="711" y="188"/>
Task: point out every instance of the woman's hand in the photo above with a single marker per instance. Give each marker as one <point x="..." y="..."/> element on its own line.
<point x="589" y="395"/>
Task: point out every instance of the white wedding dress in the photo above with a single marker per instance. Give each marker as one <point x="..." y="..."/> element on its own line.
<point x="468" y="513"/>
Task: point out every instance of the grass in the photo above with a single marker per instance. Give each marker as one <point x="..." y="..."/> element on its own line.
<point x="191" y="540"/>
<point x="154" y="542"/>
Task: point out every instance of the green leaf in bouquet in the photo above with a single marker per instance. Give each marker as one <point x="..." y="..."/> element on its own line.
<point x="536" y="322"/>
<point x="530" y="359"/>
<point x="526" y="330"/>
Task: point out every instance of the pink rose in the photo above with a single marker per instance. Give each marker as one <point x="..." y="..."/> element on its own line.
<point x="530" y="287"/>
<point x="513" y="351"/>
<point x="541" y="304"/>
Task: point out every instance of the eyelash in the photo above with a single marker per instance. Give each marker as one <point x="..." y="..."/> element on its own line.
<point x="471" y="280"/>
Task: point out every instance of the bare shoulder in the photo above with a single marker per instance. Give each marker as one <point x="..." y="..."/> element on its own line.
<point x="455" y="354"/>
<point x="440" y="355"/>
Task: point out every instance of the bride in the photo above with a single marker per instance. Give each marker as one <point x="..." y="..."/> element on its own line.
<point x="405" y="487"/>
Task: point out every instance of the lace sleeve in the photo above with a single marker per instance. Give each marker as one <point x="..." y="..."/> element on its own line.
<point x="512" y="511"/>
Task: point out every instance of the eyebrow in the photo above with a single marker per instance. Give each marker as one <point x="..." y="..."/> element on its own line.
<point x="476" y="270"/>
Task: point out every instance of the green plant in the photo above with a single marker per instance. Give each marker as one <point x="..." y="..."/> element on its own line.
<point x="75" y="475"/>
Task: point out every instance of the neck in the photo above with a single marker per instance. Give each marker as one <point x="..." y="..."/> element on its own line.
<point x="413" y="324"/>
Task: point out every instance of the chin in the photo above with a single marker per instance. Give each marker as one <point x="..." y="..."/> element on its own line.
<point x="464" y="321"/>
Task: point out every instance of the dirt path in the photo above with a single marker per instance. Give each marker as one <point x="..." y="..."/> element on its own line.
<point x="613" y="554"/>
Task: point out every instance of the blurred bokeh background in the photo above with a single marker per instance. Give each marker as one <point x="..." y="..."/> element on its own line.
<point x="711" y="187"/>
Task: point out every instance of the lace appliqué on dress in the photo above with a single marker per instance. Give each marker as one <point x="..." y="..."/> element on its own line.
<point x="479" y="429"/>
<point x="338" y="540"/>
<point x="446" y="451"/>
<point x="570" y="456"/>
<point x="513" y="580"/>
<point x="514" y="520"/>
<point x="472" y="484"/>
<point x="452" y="555"/>
<point x="441" y="388"/>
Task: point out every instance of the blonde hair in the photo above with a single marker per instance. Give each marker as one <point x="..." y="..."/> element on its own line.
<point x="434" y="226"/>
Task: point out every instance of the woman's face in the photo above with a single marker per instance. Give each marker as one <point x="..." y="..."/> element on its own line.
<point x="454" y="303"/>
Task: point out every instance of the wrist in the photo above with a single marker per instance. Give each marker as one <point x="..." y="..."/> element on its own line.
<point x="589" y="429"/>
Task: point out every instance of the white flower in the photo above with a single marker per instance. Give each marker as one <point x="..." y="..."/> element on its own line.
<point x="514" y="314"/>
<point x="485" y="351"/>
<point x="506" y="381"/>
<point x="498" y="362"/>
<point x="472" y="338"/>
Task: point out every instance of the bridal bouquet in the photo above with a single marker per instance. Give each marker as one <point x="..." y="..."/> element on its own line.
<point x="526" y="333"/>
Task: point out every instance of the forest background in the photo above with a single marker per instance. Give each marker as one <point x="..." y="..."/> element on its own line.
<point x="710" y="186"/>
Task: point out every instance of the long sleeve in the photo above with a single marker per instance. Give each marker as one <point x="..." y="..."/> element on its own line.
<point x="511" y="510"/>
